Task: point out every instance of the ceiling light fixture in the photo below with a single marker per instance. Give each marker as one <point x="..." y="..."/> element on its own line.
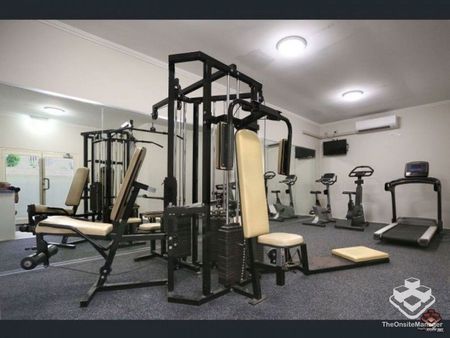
<point x="38" y="118"/>
<point x="54" y="111"/>
<point x="291" y="46"/>
<point x="353" y="95"/>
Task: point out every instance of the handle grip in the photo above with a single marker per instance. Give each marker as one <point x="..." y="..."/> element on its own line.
<point x="48" y="183"/>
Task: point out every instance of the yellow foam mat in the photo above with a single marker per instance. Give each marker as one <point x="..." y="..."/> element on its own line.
<point x="359" y="253"/>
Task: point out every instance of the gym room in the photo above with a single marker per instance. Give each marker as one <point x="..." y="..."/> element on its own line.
<point x="224" y="170"/>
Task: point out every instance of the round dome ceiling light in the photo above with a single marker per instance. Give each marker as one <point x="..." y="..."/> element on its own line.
<point x="54" y="111"/>
<point x="291" y="46"/>
<point x="353" y="95"/>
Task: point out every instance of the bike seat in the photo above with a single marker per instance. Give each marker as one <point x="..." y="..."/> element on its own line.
<point x="315" y="192"/>
<point x="275" y="191"/>
<point x="349" y="192"/>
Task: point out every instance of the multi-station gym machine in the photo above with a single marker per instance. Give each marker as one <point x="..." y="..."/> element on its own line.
<point x="221" y="244"/>
<point x="107" y="155"/>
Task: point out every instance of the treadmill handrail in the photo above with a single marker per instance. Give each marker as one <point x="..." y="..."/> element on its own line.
<point x="390" y="186"/>
<point x="420" y="180"/>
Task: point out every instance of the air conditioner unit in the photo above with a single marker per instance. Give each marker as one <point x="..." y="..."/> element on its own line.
<point x="381" y="123"/>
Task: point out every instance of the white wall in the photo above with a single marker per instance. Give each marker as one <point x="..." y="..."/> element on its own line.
<point x="38" y="55"/>
<point x="24" y="133"/>
<point x="423" y="135"/>
<point x="52" y="57"/>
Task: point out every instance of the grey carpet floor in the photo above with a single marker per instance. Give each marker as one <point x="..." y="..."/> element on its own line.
<point x="361" y="293"/>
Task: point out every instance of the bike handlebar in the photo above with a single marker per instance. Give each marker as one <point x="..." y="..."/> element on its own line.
<point x="361" y="171"/>
<point x="268" y="175"/>
<point x="290" y="180"/>
<point x="328" y="179"/>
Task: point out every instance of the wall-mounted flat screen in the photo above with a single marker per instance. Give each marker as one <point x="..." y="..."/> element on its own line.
<point x="303" y="153"/>
<point x="335" y="147"/>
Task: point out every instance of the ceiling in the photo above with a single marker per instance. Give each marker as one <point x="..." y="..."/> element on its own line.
<point x="14" y="100"/>
<point x="396" y="63"/>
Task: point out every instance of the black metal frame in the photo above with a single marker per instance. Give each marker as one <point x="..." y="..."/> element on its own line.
<point x="346" y="264"/>
<point x="108" y="252"/>
<point x="89" y="140"/>
<point x="356" y="224"/>
<point x="390" y="186"/>
<point x="177" y="95"/>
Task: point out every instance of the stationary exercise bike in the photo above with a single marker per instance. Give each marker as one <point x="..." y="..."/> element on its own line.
<point x="322" y="215"/>
<point x="286" y="211"/>
<point x="274" y="215"/>
<point x="355" y="219"/>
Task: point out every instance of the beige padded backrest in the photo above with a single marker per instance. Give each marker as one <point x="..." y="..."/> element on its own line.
<point x="127" y="183"/>
<point x="249" y="157"/>
<point x="76" y="188"/>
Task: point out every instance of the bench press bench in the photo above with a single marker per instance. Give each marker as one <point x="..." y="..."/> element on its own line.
<point x="93" y="231"/>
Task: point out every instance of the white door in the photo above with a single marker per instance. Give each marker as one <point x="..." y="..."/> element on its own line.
<point x="22" y="169"/>
<point x="57" y="177"/>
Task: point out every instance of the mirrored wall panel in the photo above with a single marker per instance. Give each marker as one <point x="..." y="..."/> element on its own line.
<point x="45" y="138"/>
<point x="294" y="189"/>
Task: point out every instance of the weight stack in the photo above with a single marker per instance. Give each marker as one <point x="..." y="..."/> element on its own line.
<point x="230" y="239"/>
<point x="216" y="222"/>
<point x="96" y="197"/>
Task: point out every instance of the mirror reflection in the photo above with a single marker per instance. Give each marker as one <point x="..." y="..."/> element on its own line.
<point x="289" y="196"/>
<point x="45" y="139"/>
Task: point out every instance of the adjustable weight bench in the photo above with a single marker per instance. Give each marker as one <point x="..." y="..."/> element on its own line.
<point x="37" y="212"/>
<point x="92" y="231"/>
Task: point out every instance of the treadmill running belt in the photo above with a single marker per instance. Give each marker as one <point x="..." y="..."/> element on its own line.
<point x="406" y="232"/>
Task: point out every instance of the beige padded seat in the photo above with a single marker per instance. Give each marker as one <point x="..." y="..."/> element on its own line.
<point x="86" y="227"/>
<point x="43" y="209"/>
<point x="150" y="226"/>
<point x="359" y="254"/>
<point x="134" y="220"/>
<point x="280" y="239"/>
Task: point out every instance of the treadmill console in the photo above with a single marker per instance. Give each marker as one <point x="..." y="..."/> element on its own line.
<point x="416" y="169"/>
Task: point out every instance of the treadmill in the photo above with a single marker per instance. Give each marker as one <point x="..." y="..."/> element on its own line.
<point x="412" y="230"/>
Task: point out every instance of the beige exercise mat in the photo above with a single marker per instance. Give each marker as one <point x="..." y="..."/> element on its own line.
<point x="359" y="253"/>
